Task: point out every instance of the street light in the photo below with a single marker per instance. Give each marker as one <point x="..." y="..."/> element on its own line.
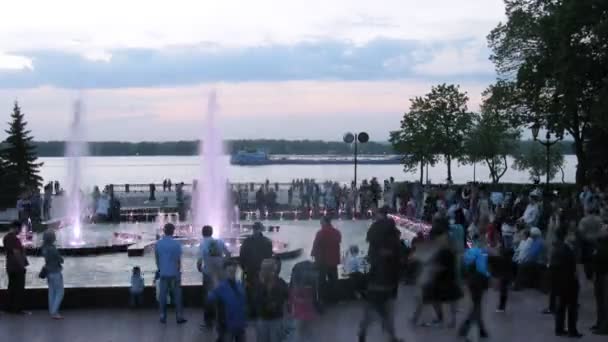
<point x="356" y="138"/>
<point x="548" y="142"/>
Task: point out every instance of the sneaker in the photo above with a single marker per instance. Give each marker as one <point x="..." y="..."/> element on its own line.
<point x="500" y="310"/>
<point x="57" y="317"/>
<point x="182" y="321"/>
<point x="432" y="324"/>
<point x="547" y="312"/>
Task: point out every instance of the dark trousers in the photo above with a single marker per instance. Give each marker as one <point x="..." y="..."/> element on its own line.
<point x="251" y="280"/>
<point x="136" y="299"/>
<point x="238" y="336"/>
<point x="504" y="292"/>
<point x="328" y="278"/>
<point x="477" y="288"/>
<point x="599" y="289"/>
<point x="15" y="291"/>
<point x="379" y="303"/>
<point x="552" y="298"/>
<point x="567" y="302"/>
<point x="210" y="308"/>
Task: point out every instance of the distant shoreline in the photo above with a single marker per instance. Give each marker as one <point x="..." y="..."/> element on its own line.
<point x="190" y="148"/>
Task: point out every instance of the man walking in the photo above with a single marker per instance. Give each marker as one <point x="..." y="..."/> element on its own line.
<point x="168" y="255"/>
<point x="563" y="262"/>
<point x="326" y="253"/>
<point x="16" y="264"/>
<point x="384" y="257"/>
<point x="476" y="262"/>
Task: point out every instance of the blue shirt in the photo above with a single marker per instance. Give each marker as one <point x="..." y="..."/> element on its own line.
<point x="534" y="252"/>
<point x="169" y="254"/>
<point x="479" y="257"/>
<point x="210" y="263"/>
<point x="137" y="284"/>
<point x="231" y="294"/>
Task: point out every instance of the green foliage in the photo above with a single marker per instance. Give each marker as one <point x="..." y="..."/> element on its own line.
<point x="491" y="140"/>
<point x="19" y="154"/>
<point x="436" y="124"/>
<point x="414" y="141"/>
<point x="552" y="56"/>
<point x="533" y="159"/>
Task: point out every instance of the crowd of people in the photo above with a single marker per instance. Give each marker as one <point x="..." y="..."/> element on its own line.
<point x="528" y="240"/>
<point x="308" y="194"/>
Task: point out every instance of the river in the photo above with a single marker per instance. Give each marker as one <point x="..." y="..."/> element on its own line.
<point x="119" y="170"/>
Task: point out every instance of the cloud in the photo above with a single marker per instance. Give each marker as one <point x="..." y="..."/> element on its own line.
<point x="14" y="62"/>
<point x="459" y="59"/>
<point x="277" y="109"/>
<point x="379" y="59"/>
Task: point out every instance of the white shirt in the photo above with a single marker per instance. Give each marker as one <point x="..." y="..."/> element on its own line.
<point x="530" y="216"/>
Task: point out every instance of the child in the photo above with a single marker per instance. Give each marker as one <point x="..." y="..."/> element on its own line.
<point x="354" y="268"/>
<point x="137" y="288"/>
<point x="230" y="295"/>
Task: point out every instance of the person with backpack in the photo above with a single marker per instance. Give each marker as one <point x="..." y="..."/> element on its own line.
<point x="254" y="250"/>
<point x="304" y="298"/>
<point x="230" y="296"/>
<point x="212" y="253"/>
<point x="478" y="277"/>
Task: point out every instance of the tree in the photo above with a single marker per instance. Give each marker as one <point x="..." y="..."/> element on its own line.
<point x="533" y="158"/>
<point x="491" y="141"/>
<point x="446" y="114"/>
<point x="553" y="55"/>
<point x="413" y="141"/>
<point x="19" y="154"/>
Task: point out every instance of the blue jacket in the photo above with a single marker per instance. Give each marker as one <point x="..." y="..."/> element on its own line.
<point x="534" y="253"/>
<point x="232" y="297"/>
<point x="479" y="256"/>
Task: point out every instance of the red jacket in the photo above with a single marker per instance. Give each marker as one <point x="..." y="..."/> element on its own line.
<point x="326" y="247"/>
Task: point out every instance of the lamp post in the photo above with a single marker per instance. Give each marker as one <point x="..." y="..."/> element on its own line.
<point x="355" y="138"/>
<point x="548" y="142"/>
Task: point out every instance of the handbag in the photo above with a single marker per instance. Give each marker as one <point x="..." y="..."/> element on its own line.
<point x="43" y="273"/>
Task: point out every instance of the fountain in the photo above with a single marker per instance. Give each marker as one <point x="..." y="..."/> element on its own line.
<point x="76" y="149"/>
<point x="211" y="197"/>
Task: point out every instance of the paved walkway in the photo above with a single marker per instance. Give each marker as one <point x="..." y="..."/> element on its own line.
<point x="522" y="322"/>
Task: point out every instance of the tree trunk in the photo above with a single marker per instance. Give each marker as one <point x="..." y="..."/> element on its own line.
<point x="448" y="162"/>
<point x="581" y="168"/>
<point x="422" y="172"/>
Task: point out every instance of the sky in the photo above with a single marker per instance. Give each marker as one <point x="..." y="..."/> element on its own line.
<point x="289" y="69"/>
